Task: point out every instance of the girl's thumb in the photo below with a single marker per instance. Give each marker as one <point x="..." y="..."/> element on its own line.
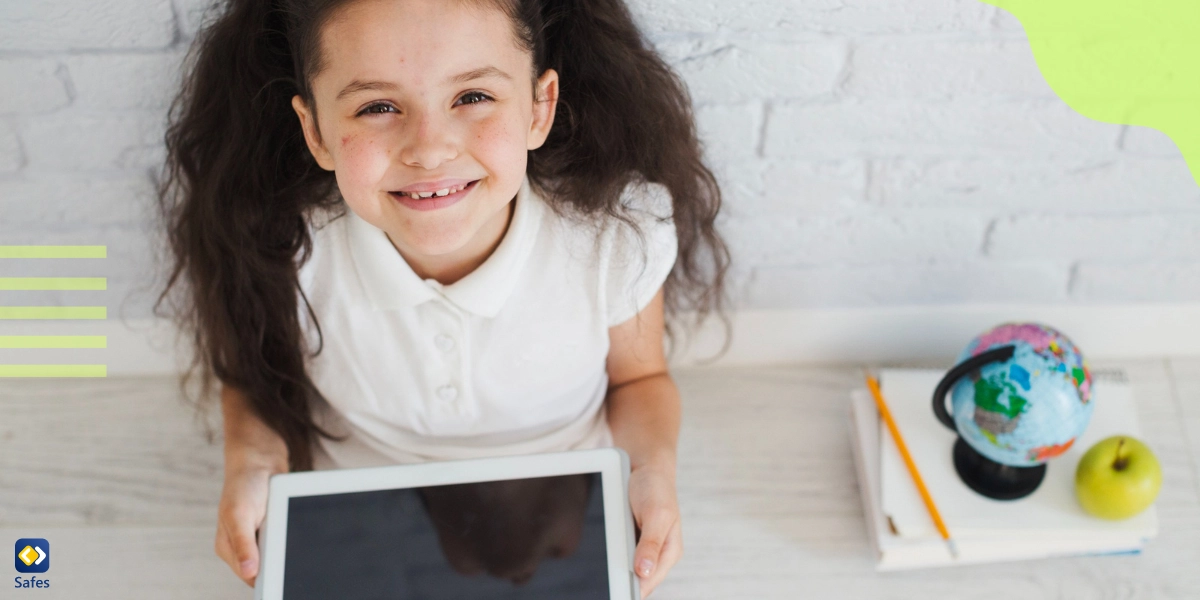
<point x="245" y="548"/>
<point x="644" y="567"/>
<point x="248" y="567"/>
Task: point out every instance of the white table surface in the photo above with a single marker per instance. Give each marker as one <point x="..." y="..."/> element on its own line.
<point x="121" y="480"/>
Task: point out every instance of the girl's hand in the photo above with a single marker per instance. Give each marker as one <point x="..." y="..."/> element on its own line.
<point x="656" y="514"/>
<point x="253" y="453"/>
<point x="240" y="515"/>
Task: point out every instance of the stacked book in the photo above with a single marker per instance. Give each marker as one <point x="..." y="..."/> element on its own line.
<point x="1047" y="523"/>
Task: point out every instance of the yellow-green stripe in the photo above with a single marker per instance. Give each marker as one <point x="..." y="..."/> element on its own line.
<point x="53" y="341"/>
<point x="53" y="283"/>
<point x="53" y="251"/>
<point x="53" y="370"/>
<point x="53" y="312"/>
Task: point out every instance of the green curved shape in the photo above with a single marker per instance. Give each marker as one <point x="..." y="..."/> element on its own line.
<point x="1128" y="62"/>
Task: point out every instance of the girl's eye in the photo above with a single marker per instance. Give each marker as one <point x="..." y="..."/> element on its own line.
<point x="480" y="97"/>
<point x="371" y="110"/>
<point x="381" y="108"/>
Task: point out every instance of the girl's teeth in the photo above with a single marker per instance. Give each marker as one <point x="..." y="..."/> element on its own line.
<point x="439" y="193"/>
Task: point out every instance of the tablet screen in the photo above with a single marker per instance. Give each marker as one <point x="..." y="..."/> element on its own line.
<point x="530" y="538"/>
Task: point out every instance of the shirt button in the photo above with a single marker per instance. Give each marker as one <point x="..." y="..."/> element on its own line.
<point x="447" y="392"/>
<point x="444" y="342"/>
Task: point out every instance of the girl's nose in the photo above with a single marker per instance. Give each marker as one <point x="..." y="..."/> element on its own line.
<point x="430" y="143"/>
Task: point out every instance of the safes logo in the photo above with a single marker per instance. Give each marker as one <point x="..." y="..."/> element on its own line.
<point x="32" y="556"/>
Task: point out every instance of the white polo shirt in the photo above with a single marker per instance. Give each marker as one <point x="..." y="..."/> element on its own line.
<point x="507" y="360"/>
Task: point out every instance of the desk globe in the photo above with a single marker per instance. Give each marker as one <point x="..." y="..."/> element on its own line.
<point x="1019" y="396"/>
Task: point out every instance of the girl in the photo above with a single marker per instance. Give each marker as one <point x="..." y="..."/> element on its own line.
<point x="432" y="229"/>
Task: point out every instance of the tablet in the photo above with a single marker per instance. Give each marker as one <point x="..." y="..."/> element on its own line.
<point x="519" y="527"/>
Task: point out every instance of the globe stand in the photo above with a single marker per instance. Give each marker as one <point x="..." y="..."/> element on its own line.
<point x="992" y="479"/>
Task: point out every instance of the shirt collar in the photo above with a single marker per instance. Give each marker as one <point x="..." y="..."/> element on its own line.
<point x="390" y="283"/>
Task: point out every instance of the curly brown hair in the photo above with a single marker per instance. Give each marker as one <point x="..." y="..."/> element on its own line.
<point x="239" y="186"/>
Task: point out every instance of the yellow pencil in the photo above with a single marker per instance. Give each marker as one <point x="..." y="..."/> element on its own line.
<point x="912" y="466"/>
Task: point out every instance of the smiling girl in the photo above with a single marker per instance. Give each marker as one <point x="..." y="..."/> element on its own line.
<point x="412" y="230"/>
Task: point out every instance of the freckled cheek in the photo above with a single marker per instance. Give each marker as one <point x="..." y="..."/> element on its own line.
<point x="362" y="160"/>
<point x="500" y="140"/>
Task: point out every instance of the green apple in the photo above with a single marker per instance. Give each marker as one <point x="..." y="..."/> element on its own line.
<point x="1117" y="478"/>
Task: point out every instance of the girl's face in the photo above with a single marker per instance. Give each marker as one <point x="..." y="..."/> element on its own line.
<point x="424" y="96"/>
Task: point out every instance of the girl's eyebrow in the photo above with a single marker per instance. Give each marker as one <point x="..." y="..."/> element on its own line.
<point x="488" y="71"/>
<point x="359" y="86"/>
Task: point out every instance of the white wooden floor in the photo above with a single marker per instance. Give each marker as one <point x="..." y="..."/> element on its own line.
<point x="115" y="474"/>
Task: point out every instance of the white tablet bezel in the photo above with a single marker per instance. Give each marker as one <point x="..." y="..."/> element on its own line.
<point x="611" y="463"/>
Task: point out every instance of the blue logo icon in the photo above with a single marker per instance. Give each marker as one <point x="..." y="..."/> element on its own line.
<point x="32" y="555"/>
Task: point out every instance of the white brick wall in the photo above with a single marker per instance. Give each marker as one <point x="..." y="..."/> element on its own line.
<point x="32" y="85"/>
<point x="872" y="152"/>
<point x="57" y="25"/>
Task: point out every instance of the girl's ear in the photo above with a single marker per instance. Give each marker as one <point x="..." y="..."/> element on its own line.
<point x="544" y="106"/>
<point x="311" y="136"/>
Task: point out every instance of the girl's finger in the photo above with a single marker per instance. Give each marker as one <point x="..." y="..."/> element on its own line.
<point x="672" y="550"/>
<point x="656" y="524"/>
<point x="225" y="550"/>
<point x="240" y="528"/>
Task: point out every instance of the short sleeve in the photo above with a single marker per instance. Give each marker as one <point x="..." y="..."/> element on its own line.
<point x="637" y="266"/>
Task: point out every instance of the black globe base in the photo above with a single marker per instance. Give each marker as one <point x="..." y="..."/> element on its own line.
<point x="992" y="479"/>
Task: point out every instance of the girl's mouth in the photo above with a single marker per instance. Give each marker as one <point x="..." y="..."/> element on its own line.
<point x="434" y="200"/>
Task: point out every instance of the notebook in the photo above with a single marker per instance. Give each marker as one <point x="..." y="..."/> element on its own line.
<point x="1046" y="523"/>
